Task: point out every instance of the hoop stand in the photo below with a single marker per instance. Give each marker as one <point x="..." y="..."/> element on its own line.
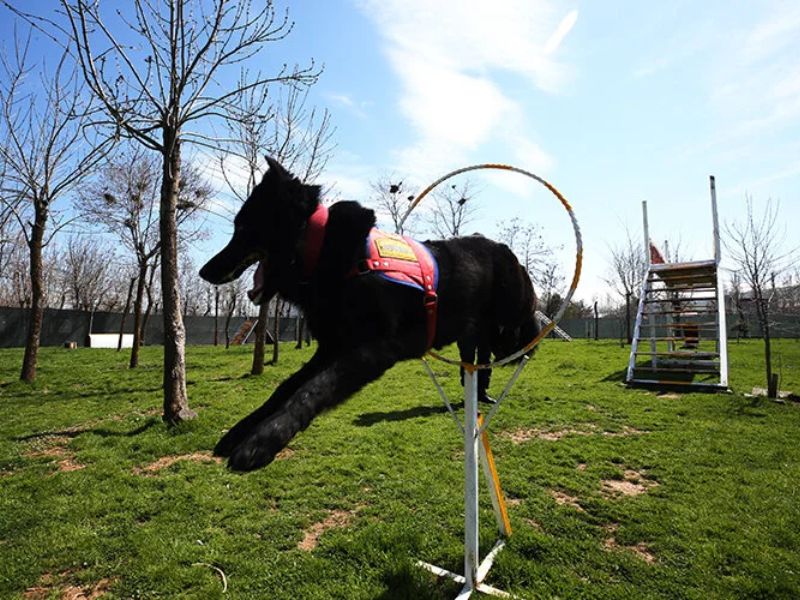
<point x="476" y="447"/>
<point x="476" y="440"/>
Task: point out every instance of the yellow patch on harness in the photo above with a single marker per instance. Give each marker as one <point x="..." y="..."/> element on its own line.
<point x="395" y="247"/>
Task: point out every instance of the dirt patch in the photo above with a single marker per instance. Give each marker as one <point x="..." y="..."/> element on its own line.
<point x="520" y="436"/>
<point x="81" y="593"/>
<point x="564" y="499"/>
<point x="48" y="584"/>
<point x="511" y="501"/>
<point x="641" y="549"/>
<point x="626" y="431"/>
<point x="668" y="395"/>
<point x="581" y="467"/>
<point x="55" y="448"/>
<point x="284" y="454"/>
<point x="633" y="483"/>
<point x="335" y="518"/>
<point x="167" y="461"/>
<point x="535" y="524"/>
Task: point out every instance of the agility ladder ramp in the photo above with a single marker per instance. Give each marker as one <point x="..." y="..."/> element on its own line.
<point x="680" y="338"/>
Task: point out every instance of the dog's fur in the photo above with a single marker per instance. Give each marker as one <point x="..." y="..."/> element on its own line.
<point x="364" y="324"/>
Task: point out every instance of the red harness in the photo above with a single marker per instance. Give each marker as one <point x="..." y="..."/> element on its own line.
<point x="395" y="258"/>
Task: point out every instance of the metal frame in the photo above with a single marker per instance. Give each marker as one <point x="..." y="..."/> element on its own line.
<point x="474" y="429"/>
<point x="477" y="451"/>
<point x="720" y="325"/>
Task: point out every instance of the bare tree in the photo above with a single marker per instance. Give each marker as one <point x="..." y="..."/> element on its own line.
<point x="539" y="260"/>
<point x="628" y="270"/>
<point x="232" y="298"/>
<point x="87" y="275"/>
<point x="86" y="266"/>
<point x="157" y="89"/>
<point x="123" y="200"/>
<point x="285" y="129"/>
<point x="756" y="246"/>
<point x="131" y="277"/>
<point x="47" y="155"/>
<point x="452" y="209"/>
<point x="15" y="272"/>
<point x="193" y="288"/>
<point x="391" y="196"/>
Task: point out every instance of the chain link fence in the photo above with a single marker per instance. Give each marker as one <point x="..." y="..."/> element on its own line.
<point x="62" y="326"/>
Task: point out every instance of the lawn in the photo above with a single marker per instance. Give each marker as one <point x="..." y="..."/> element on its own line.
<point x="613" y="493"/>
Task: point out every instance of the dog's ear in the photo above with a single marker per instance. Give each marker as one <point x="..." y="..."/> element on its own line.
<point x="276" y="170"/>
<point x="352" y="220"/>
<point x="310" y="199"/>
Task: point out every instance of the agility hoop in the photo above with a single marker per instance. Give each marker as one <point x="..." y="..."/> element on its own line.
<point x="477" y="452"/>
<point x="576" y="275"/>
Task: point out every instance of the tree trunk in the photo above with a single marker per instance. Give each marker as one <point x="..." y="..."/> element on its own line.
<point x="89" y="327"/>
<point x="763" y="316"/>
<point x="148" y="290"/>
<point x="228" y="317"/>
<point x="28" y="373"/>
<point x="261" y="336"/>
<point x="276" y="329"/>
<point x="176" y="402"/>
<point x="137" y="316"/>
<point x="128" y="299"/>
<point x="216" y="315"/>
<point x="298" y="332"/>
<point x="628" y="334"/>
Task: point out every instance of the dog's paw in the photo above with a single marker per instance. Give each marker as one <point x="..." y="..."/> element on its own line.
<point x="237" y="434"/>
<point x="227" y="443"/>
<point x="250" y="455"/>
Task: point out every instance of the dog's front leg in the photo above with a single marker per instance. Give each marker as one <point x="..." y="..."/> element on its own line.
<point x="336" y="380"/>
<point x="243" y="428"/>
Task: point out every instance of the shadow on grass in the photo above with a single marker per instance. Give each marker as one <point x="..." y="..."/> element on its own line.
<point x="617" y="375"/>
<point x="72" y="433"/>
<point x="373" y="418"/>
<point x="414" y="582"/>
<point x="69" y="395"/>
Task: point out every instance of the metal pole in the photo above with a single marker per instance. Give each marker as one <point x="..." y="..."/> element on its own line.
<point x="646" y="233"/>
<point x="715" y="218"/>
<point x="471" y="556"/>
<point x="646" y="286"/>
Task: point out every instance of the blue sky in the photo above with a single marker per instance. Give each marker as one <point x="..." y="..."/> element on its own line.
<point x="614" y="103"/>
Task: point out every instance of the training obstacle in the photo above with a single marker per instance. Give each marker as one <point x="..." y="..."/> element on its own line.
<point x="680" y="337"/>
<point x="475" y="427"/>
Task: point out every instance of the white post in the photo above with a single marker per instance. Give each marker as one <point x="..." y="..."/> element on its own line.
<point x="646" y="233"/>
<point x="646" y="286"/>
<point x="715" y="218"/>
<point x="722" y="325"/>
<point x="471" y="556"/>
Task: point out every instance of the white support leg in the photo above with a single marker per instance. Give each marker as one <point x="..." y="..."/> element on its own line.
<point x="471" y="553"/>
<point x="475" y="571"/>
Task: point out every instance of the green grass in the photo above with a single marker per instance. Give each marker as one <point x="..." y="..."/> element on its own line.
<point x="720" y="517"/>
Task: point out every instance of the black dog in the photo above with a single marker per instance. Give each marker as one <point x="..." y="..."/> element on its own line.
<point x="364" y="323"/>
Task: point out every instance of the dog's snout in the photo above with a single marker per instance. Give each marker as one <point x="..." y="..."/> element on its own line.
<point x="228" y="264"/>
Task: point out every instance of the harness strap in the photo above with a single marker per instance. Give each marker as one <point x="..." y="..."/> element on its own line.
<point x="407" y="262"/>
<point x="315" y="237"/>
<point x="398" y="259"/>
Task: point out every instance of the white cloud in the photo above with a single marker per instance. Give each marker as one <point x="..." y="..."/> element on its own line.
<point x="566" y="25"/>
<point x="347" y="102"/>
<point x="450" y="57"/>
<point x="758" y="80"/>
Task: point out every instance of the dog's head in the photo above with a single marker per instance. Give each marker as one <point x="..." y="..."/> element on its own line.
<point x="266" y="229"/>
